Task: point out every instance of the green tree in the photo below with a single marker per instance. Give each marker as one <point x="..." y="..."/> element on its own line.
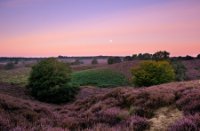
<point x="50" y="81"/>
<point x="152" y="73"/>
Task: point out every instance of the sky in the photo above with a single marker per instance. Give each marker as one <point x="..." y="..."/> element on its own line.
<point x="44" y="28"/>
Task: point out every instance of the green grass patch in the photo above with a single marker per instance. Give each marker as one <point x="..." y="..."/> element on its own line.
<point x="100" y="78"/>
<point x="18" y="76"/>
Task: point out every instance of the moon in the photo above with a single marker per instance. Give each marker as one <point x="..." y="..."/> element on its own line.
<point x="111" y="41"/>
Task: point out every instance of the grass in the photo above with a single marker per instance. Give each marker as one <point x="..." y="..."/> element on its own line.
<point x="100" y="78"/>
<point x="18" y="76"/>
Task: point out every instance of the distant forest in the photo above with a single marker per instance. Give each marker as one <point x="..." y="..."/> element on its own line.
<point x="140" y="56"/>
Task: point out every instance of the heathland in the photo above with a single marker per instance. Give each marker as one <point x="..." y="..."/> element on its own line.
<point x="107" y="99"/>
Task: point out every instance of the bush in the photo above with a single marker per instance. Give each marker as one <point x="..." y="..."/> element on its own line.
<point x="94" y="61"/>
<point x="153" y="73"/>
<point x="50" y="81"/>
<point x="113" y="60"/>
<point x="77" y="62"/>
<point x="180" y="70"/>
<point x="9" y="66"/>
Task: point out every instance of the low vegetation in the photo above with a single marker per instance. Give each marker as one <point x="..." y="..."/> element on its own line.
<point x="50" y="81"/>
<point x="17" y="76"/>
<point x="9" y="66"/>
<point x="107" y="109"/>
<point x="100" y="78"/>
<point x="153" y="73"/>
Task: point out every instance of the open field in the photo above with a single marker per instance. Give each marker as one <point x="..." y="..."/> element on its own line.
<point x="17" y="76"/>
<point x="20" y="75"/>
<point x="124" y="108"/>
<point x="100" y="78"/>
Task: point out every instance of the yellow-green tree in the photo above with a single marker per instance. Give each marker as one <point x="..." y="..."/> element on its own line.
<point x="152" y="73"/>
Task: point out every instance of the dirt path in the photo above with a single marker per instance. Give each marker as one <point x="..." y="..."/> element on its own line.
<point x="164" y="117"/>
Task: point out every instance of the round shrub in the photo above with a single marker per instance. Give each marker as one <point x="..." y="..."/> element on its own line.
<point x="94" y="61"/>
<point x="50" y="81"/>
<point x="152" y="73"/>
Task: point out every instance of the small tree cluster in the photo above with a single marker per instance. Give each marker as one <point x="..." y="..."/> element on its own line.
<point x="160" y="55"/>
<point x="113" y="60"/>
<point x="50" y="81"/>
<point x="153" y="73"/>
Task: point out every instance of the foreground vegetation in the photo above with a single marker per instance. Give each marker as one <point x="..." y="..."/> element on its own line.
<point x="172" y="107"/>
<point x="100" y="78"/>
<point x="49" y="81"/>
<point x="150" y="73"/>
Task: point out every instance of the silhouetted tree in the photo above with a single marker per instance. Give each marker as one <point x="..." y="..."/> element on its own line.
<point x="188" y="57"/>
<point x="128" y="58"/>
<point x="134" y="56"/>
<point x="146" y="56"/>
<point x="198" y="56"/>
<point x="161" y="55"/>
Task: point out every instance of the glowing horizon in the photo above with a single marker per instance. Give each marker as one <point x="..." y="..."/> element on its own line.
<point x="42" y="28"/>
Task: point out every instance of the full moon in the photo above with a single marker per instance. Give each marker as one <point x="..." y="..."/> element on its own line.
<point x="110" y="41"/>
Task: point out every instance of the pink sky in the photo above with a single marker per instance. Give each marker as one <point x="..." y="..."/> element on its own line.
<point x="172" y="26"/>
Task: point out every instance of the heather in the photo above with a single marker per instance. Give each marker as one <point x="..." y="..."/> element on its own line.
<point x="122" y="108"/>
